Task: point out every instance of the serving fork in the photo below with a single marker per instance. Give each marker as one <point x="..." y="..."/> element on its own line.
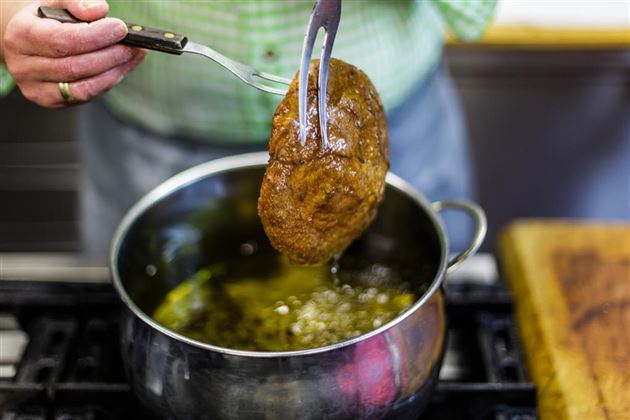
<point x="325" y="14"/>
<point x="174" y="43"/>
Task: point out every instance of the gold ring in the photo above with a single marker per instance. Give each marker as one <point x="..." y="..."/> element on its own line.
<point x="64" y="89"/>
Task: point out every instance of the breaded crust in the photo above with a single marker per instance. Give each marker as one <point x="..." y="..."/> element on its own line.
<point x="314" y="203"/>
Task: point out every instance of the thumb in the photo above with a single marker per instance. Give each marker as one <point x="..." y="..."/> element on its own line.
<point x="86" y="10"/>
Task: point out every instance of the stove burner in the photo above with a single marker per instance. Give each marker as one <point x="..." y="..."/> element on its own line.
<point x="63" y="361"/>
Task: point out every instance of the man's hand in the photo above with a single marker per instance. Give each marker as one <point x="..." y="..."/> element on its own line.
<point x="40" y="53"/>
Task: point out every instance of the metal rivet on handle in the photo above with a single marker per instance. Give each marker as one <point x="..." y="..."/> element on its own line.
<point x="169" y="35"/>
<point x="136" y="28"/>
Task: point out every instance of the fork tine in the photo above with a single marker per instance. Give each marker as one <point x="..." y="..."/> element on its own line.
<point x="307" y="51"/>
<point x="322" y="87"/>
<point x="272" y="77"/>
<point x="268" y="89"/>
<point x="329" y="39"/>
<point x="326" y="14"/>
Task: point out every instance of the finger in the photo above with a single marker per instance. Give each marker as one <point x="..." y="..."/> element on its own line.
<point x="87" y="89"/>
<point x="77" y="67"/>
<point x="48" y="94"/>
<point x="87" y="10"/>
<point x="50" y="38"/>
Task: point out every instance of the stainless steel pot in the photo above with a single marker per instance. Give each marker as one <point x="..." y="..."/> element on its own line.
<point x="205" y="215"/>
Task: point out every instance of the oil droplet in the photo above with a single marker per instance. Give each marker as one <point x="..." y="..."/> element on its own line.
<point x="248" y="248"/>
<point x="151" y="270"/>
<point x="282" y="309"/>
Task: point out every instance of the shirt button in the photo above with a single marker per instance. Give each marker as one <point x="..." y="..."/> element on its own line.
<point x="270" y="54"/>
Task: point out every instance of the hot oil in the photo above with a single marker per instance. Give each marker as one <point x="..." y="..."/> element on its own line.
<point x="263" y="302"/>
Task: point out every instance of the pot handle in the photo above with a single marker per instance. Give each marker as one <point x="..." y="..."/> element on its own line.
<point x="481" y="227"/>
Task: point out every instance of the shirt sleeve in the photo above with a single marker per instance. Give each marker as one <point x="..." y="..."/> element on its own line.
<point x="6" y="81"/>
<point x="466" y="19"/>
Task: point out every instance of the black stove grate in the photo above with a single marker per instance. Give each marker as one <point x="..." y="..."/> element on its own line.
<point x="71" y="367"/>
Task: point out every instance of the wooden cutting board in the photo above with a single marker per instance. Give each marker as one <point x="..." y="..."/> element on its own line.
<point x="571" y="283"/>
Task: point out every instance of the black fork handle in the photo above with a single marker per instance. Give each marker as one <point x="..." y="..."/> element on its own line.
<point x="138" y="35"/>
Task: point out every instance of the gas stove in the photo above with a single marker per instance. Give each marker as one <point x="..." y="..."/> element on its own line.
<point x="60" y="359"/>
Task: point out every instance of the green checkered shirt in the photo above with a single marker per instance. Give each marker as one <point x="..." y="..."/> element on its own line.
<point x="396" y="42"/>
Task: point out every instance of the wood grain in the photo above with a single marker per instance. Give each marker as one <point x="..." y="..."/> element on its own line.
<point x="571" y="283"/>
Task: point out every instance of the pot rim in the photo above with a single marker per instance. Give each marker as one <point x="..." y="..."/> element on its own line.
<point x="243" y="161"/>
